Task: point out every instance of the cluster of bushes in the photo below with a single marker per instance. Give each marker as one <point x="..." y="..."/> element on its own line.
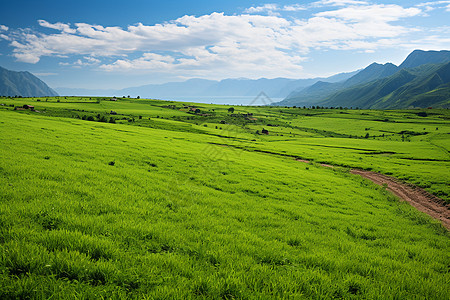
<point x="98" y="118"/>
<point x="138" y="97"/>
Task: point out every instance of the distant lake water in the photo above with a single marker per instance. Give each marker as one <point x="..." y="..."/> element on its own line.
<point x="229" y="100"/>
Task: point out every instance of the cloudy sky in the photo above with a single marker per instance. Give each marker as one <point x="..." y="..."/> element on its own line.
<point x="117" y="44"/>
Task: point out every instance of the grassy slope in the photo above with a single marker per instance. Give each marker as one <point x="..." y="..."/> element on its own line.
<point x="177" y="216"/>
<point x="400" y="142"/>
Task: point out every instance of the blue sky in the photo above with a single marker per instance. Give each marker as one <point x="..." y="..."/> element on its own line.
<point x="117" y="44"/>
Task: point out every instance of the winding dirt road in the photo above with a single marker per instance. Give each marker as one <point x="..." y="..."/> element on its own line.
<point x="417" y="197"/>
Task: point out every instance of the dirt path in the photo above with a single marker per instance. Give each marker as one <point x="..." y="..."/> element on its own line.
<point x="417" y="197"/>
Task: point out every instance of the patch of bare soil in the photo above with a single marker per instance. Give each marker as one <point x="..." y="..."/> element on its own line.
<point x="302" y="160"/>
<point x="327" y="166"/>
<point x="417" y="197"/>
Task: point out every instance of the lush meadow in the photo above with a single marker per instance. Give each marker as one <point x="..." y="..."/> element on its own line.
<point x="160" y="201"/>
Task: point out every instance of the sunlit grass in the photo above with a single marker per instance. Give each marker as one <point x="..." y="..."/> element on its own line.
<point x="179" y="215"/>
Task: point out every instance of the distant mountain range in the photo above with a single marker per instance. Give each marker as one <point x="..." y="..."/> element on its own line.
<point x="23" y="84"/>
<point x="276" y="88"/>
<point x="422" y="80"/>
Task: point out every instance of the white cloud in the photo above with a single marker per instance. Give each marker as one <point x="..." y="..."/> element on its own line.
<point x="4" y="36"/>
<point x="273" y="9"/>
<point x="372" y="13"/>
<point x="88" y="61"/>
<point x="264" y="8"/>
<point x="92" y="60"/>
<point x="218" y="45"/>
<point x="239" y="45"/>
<point x="294" y="7"/>
<point x="339" y="2"/>
<point x="57" y="26"/>
<point x="433" y="5"/>
<point x="45" y="74"/>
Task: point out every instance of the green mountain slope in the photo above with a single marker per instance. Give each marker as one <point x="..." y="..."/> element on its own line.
<point x="322" y="90"/>
<point x="372" y="72"/>
<point x="23" y="84"/>
<point x="438" y="97"/>
<point x="423" y="86"/>
<point x="415" y="83"/>
<point x="420" y="57"/>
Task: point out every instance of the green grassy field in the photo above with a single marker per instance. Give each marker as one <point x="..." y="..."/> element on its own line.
<point x="166" y="203"/>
